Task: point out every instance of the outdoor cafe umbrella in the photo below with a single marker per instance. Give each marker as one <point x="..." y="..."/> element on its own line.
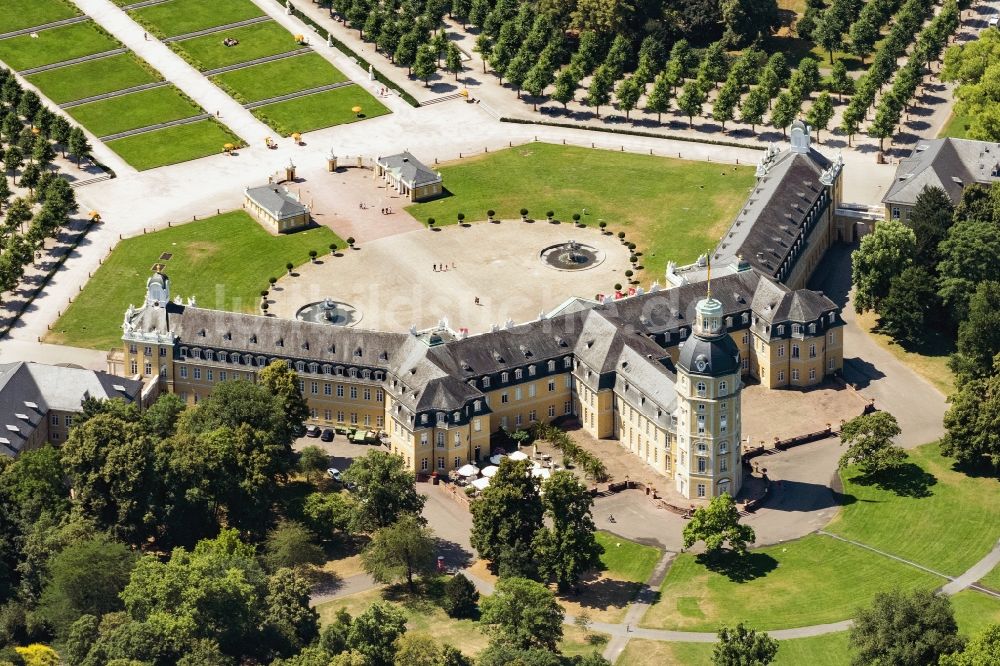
<point x="541" y="473"/>
<point x="468" y="470"/>
<point x="480" y="484"/>
<point x="519" y="455"/>
<point x="497" y="458"/>
<point x="490" y="471"/>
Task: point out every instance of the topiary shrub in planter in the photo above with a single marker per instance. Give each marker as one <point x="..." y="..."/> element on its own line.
<point x="524" y="214"/>
<point x="489" y="214"/>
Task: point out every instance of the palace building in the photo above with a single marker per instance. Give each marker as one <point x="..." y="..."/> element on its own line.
<point x="661" y="371"/>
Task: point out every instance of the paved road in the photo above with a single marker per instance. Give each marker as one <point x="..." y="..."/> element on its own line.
<point x="895" y="388"/>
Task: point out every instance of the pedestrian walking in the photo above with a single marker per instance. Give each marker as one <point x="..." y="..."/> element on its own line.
<point x="435" y="268"/>
<point x="145" y="37"/>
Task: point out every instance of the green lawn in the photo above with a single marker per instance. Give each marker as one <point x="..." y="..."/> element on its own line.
<point x="826" y="650"/>
<point x="943" y="519"/>
<point x="139" y="109"/>
<point x="55" y="45"/>
<point x="974" y="611"/>
<point x="992" y="579"/>
<point x="957" y="126"/>
<point x="174" y="144"/>
<point x="325" y="109"/>
<point x="180" y="17"/>
<point x="627" y="560"/>
<point x="672" y="209"/>
<point x="21" y="14"/>
<point x="280" y="77"/>
<point x="812" y="580"/>
<point x="95" y="77"/>
<point x="223" y="261"/>
<point x="426" y="617"/>
<point x="256" y="41"/>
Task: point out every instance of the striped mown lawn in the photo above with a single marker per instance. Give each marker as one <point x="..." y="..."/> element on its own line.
<point x="23" y="14"/>
<point x="55" y="45"/>
<point x="171" y="145"/>
<point x="96" y="77"/>
<point x="135" y="110"/>
<point x="180" y="17"/>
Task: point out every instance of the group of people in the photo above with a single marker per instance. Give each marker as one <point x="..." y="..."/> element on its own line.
<point x="229" y="41"/>
<point x="443" y="267"/>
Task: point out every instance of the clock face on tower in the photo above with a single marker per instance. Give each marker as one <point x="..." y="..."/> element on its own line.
<point x="700" y="364"/>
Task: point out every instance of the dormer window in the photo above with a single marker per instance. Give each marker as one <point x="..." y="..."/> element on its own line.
<point x="831" y="316"/>
<point x="423" y="418"/>
<point x="279" y="343"/>
<point x="812" y="329"/>
<point x="357" y="352"/>
<point x="567" y="362"/>
<point x="253" y="339"/>
<point x="531" y="371"/>
<point x="746" y="317"/>
<point x="477" y="405"/>
<point x="552" y="366"/>
<point x="796" y="329"/>
<point x="486" y="382"/>
<point x="781" y="329"/>
<point x="518" y="373"/>
<point x="504" y="377"/>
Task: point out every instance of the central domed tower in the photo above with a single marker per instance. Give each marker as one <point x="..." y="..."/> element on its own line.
<point x="708" y="408"/>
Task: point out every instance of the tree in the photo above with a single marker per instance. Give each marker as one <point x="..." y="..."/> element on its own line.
<point x="565" y="87"/>
<point x="400" y="551"/>
<point x="506" y="517"/>
<point x="12" y="161"/>
<point x="690" y="102"/>
<point x="983" y="650"/>
<point x="291" y="545"/>
<point x="747" y="20"/>
<point x="418" y="650"/>
<point x="568" y="548"/>
<point x="374" y="633"/>
<point x="599" y="92"/>
<point x="715" y="63"/>
<point x="504" y="49"/>
<point x="628" y="93"/>
<point x="828" y="33"/>
<point x="80" y="639"/>
<point x="725" y="104"/>
<point x="907" y="309"/>
<point x="869" y="443"/>
<point x="659" y="97"/>
<point x="517" y="70"/>
<point x="899" y="627"/>
<point x="930" y="219"/>
<point x="43" y="153"/>
<point x="290" y="623"/>
<point x="978" y="337"/>
<point x="460" y="597"/>
<point x="61" y="131"/>
<point x="85" y="578"/>
<point x="883" y="255"/>
<point x="313" y="462"/>
<point x="539" y="76"/>
<point x="5" y="191"/>
<point x="37" y="654"/>
<point x="453" y="59"/>
<point x="651" y="53"/>
<point x="79" y="147"/>
<point x="840" y="82"/>
<point x="619" y="55"/>
<point x="753" y="107"/>
<point x="784" y="112"/>
<point x="743" y="646"/>
<point x="863" y="34"/>
<point x="821" y="113"/>
<point x="522" y="614"/>
<point x="425" y="64"/>
<point x="406" y="50"/>
<point x="716" y="524"/>
<point x="972" y="420"/>
<point x="283" y="383"/>
<point x="850" y="120"/>
<point x="968" y="256"/>
<point x="886" y="117"/>
<point x="385" y="490"/>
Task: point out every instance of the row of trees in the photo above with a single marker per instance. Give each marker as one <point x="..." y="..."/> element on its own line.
<point x="975" y="66"/>
<point x="27" y="130"/>
<point x="935" y="274"/>
<point x="572" y="452"/>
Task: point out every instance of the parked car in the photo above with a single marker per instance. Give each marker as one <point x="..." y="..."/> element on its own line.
<point x="312" y="431"/>
<point x="334" y="474"/>
<point x="327" y="435"/>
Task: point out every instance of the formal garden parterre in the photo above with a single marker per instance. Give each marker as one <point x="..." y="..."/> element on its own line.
<point x="112" y="77"/>
<point x="258" y="62"/>
<point x="673" y="210"/>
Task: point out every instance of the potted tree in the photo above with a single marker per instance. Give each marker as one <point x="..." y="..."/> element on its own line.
<point x="289" y="266"/>
<point x="430" y="223"/>
<point x="524" y="214"/>
<point x="333" y="249"/>
<point x="489" y="214"/>
<point x="549" y="215"/>
<point x="603" y="225"/>
<point x="312" y="255"/>
<point x="461" y="218"/>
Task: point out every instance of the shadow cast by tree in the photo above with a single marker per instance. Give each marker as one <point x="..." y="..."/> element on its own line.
<point x="738" y="568"/>
<point x="907" y="480"/>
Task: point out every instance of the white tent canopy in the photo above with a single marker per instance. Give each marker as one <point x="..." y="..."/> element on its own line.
<point x="490" y="471"/>
<point x="480" y="484"/>
<point x="498" y="458"/>
<point x="468" y="470"/>
<point x="541" y="473"/>
<point x="518" y="455"/>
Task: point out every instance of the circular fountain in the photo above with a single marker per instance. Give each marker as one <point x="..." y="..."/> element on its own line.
<point x="329" y="311"/>
<point x="571" y="256"/>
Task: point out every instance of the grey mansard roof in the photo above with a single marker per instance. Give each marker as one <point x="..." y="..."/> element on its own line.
<point x="276" y="200"/>
<point x="409" y="169"/>
<point x="28" y="391"/>
<point x="721" y="356"/>
<point x="950" y="164"/>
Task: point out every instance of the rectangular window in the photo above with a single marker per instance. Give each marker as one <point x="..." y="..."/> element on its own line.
<point x="830" y="336"/>
<point x="211" y="374"/>
<point x="367" y="394"/>
<point x="340" y="390"/>
<point x="746" y="364"/>
<point x="457" y="439"/>
<point x="504" y="398"/>
<point x="795" y="375"/>
<point x="354" y="393"/>
<point x="148" y="368"/>
<point x="781" y="351"/>
<point x="477" y="425"/>
<point x="340" y="417"/>
<point x="812" y="351"/>
<point x="532" y="416"/>
<point x="812" y="373"/>
<point x="517" y="393"/>
<point x="781" y="375"/>
<point x="378" y="422"/>
<point x="55" y="419"/>
<point x="367" y="420"/>
<point x="724" y="464"/>
<point x="552" y="385"/>
<point x="379" y="395"/>
<point x="314" y="388"/>
<point x="135" y="367"/>
<point x="327" y="389"/>
<point x="327" y="415"/>
<point x="552" y="411"/>
<point x="423" y="439"/>
<point x="829" y="365"/>
<point x="531" y="390"/>
<point x="458" y="462"/>
<point x="795" y="351"/>
<point x="197" y="373"/>
<point x="354" y="418"/>
<point x="517" y="419"/>
<point x="701" y="490"/>
<point x="486" y="382"/>
<point x="423" y="464"/>
<point x="184" y="372"/>
<point x="440" y="462"/>
<point x="568" y="407"/>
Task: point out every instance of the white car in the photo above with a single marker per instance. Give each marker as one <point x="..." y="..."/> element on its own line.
<point x="994" y="21"/>
<point x="334" y="474"/>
